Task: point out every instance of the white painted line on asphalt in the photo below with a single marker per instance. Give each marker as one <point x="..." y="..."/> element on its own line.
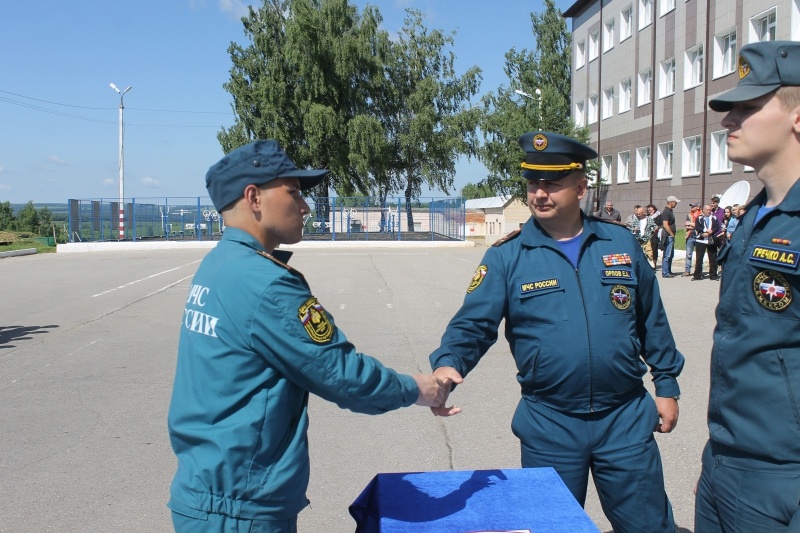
<point x="162" y="289"/>
<point x="341" y="306"/>
<point x="145" y="278"/>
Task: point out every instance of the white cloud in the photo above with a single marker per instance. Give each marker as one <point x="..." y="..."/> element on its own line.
<point x="5" y="187"/>
<point x="55" y="159"/>
<point x="1" y="169"/>
<point x="151" y="183"/>
<point x="235" y="8"/>
<point x="109" y="181"/>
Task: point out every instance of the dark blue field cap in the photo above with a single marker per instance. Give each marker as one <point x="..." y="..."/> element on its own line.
<point x="551" y="156"/>
<point x="763" y="67"/>
<point x="256" y="163"/>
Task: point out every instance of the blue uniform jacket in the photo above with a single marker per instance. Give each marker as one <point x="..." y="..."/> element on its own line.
<point x="578" y="335"/>
<point x="754" y="403"/>
<point x="254" y="342"/>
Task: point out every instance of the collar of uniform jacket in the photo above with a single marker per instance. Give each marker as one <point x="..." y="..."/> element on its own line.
<point x="241" y="236"/>
<point x="533" y="234"/>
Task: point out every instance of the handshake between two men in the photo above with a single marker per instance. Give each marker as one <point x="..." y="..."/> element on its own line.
<point x="435" y="388"/>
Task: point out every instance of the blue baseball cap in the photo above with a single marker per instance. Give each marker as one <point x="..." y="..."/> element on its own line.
<point x="551" y="156"/>
<point x="763" y="68"/>
<point x="256" y="163"/>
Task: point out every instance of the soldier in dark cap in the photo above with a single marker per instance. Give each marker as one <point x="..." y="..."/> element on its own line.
<point x="584" y="320"/>
<point x="750" y="479"/>
<point x="254" y="342"/>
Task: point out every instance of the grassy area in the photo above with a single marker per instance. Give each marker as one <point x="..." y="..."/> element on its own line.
<point x="10" y="241"/>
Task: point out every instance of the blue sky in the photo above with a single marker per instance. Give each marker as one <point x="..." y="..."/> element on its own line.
<point x="59" y="135"/>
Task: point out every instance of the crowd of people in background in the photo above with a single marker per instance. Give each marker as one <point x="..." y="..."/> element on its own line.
<point x="707" y="229"/>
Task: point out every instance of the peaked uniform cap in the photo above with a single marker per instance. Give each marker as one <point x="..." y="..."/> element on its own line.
<point x="551" y="156"/>
<point x="763" y="68"/>
<point x="256" y="163"/>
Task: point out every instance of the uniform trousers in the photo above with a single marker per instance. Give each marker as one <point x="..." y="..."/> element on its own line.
<point x="616" y="444"/>
<point x="701" y="249"/>
<point x="218" y="523"/>
<point x="733" y="499"/>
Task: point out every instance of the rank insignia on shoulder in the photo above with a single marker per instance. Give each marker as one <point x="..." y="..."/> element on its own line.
<point x="775" y="256"/>
<point x="514" y="234"/>
<point x="315" y="321"/>
<point x="772" y="291"/>
<point x="477" y="278"/>
<point x="616" y="259"/>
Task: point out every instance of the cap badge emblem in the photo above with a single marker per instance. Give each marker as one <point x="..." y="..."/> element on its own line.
<point x="539" y="142"/>
<point x="744" y="67"/>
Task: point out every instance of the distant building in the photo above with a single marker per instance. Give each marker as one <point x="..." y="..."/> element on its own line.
<point x="494" y="217"/>
<point x="642" y="74"/>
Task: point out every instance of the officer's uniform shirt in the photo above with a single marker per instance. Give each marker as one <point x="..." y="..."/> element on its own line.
<point x="754" y="405"/>
<point x="254" y="342"/>
<point x="576" y="334"/>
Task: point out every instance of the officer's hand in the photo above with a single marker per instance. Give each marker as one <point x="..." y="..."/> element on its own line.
<point x="450" y="376"/>
<point x="433" y="392"/>
<point x="668" y="413"/>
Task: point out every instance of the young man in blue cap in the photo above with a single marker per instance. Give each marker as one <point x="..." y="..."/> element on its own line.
<point x="584" y="319"/>
<point x="750" y="480"/>
<point x="254" y="342"/>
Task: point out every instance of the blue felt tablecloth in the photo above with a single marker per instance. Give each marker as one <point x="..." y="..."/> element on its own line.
<point x="532" y="499"/>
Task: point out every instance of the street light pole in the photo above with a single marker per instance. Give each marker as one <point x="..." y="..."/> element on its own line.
<point x="530" y="97"/>
<point x="121" y="163"/>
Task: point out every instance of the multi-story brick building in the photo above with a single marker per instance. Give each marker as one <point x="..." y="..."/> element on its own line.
<point x="642" y="73"/>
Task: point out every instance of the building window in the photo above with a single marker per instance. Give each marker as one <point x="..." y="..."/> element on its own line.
<point x="664" y="169"/>
<point x="623" y="167"/>
<point x="643" y="164"/>
<point x="725" y="53"/>
<point x="643" y="87"/>
<point x="645" y="13"/>
<point x="608" y="35"/>
<point x="719" y="152"/>
<point x="580" y="117"/>
<point x="762" y="26"/>
<point x="667" y="6"/>
<point x="605" y="170"/>
<point x="666" y="85"/>
<point x="693" y="67"/>
<point x="625" y="23"/>
<point x="608" y="102"/>
<point x="691" y="156"/>
<point x="591" y="113"/>
<point x="625" y="95"/>
<point x="580" y="55"/>
<point x="594" y="45"/>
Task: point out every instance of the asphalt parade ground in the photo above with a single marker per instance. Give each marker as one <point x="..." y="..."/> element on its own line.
<point x="88" y="343"/>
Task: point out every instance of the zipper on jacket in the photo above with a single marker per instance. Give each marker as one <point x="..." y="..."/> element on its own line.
<point x="588" y="341"/>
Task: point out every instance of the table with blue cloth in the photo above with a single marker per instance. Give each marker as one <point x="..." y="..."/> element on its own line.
<point x="527" y="499"/>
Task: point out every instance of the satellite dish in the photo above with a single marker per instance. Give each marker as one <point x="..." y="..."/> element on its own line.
<point x="736" y="194"/>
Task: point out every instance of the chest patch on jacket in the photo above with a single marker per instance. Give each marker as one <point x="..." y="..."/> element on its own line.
<point x="540" y="285"/>
<point x="616" y="259"/>
<point x="477" y="278"/>
<point x="315" y="321"/>
<point x="616" y="273"/>
<point x="775" y="256"/>
<point x="620" y="297"/>
<point x="772" y="290"/>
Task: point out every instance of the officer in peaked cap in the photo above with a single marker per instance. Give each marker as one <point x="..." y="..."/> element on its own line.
<point x="560" y="283"/>
<point x="750" y="479"/>
<point x="254" y="342"/>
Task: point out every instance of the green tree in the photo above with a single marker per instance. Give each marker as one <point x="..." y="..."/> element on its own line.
<point x="470" y="191"/>
<point x="45" y="221"/>
<point x="6" y="216"/>
<point x="28" y="219"/>
<point x="543" y="75"/>
<point x="427" y="119"/>
<point x="306" y="74"/>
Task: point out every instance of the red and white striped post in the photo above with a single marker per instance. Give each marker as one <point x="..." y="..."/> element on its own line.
<point x="121" y="163"/>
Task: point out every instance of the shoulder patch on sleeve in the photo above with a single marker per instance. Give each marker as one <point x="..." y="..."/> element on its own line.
<point x="315" y="321"/>
<point x="477" y="278"/>
<point x="513" y="235"/>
